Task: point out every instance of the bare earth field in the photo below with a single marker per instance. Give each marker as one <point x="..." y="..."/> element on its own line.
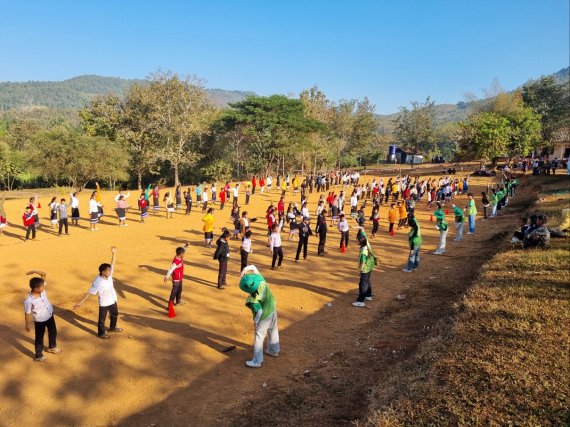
<point x="163" y="371"/>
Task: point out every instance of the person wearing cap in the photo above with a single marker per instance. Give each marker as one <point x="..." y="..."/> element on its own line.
<point x="264" y="308"/>
<point x="304" y="233"/>
<point x="459" y="220"/>
<point x="441" y="225"/>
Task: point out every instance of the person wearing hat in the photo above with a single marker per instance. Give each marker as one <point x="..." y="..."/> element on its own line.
<point x="222" y="254"/>
<point x="459" y="220"/>
<point x="304" y="233"/>
<point x="441" y="225"/>
<point x="264" y="308"/>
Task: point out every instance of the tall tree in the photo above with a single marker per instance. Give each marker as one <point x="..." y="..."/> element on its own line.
<point x="551" y="100"/>
<point x="414" y="129"/>
<point x="182" y="116"/>
<point x="485" y="136"/>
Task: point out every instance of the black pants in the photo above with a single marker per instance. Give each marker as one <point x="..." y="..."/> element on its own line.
<point x="277" y="252"/>
<point x="344" y="238"/>
<point x="519" y="235"/>
<point x="40" y="328"/>
<point x="247" y="199"/>
<point x="485" y="212"/>
<point x="188" y="208"/>
<point x="176" y="292"/>
<point x="303" y="243"/>
<point x="391" y="227"/>
<point x="63" y="223"/>
<point x="114" y="314"/>
<point x="222" y="205"/>
<point x="222" y="270"/>
<point x="322" y="241"/>
<point x="375" y="227"/>
<point x="31" y="229"/>
<point x="364" y="287"/>
<point x="244" y="256"/>
<point x="235" y="201"/>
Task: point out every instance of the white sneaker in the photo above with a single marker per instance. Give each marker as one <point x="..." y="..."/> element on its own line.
<point x="437" y="253"/>
<point x="358" y="304"/>
<point x="368" y="298"/>
<point x="250" y="364"/>
<point x="515" y="240"/>
<point x="406" y="270"/>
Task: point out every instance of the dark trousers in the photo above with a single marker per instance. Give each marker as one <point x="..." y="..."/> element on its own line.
<point x="113" y="311"/>
<point x="40" y="328"/>
<point x="31" y="229"/>
<point x="247" y="199"/>
<point x="188" y="208"/>
<point x="391" y="227"/>
<point x="277" y="252"/>
<point x="222" y="271"/>
<point x="375" y="227"/>
<point x="485" y="212"/>
<point x="176" y="292"/>
<point x="344" y="238"/>
<point x="364" y="287"/>
<point x="235" y="202"/>
<point x="322" y="241"/>
<point x="244" y="256"/>
<point x="303" y="244"/>
<point x="63" y="223"/>
<point x="222" y="205"/>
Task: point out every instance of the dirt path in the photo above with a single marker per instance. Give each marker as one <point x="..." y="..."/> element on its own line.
<point x="172" y="371"/>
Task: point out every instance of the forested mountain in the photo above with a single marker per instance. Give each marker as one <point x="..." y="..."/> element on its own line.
<point x="74" y="93"/>
<point x="26" y="98"/>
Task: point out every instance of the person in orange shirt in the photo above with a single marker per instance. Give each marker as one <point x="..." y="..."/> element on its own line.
<point x="403" y="214"/>
<point x="392" y="217"/>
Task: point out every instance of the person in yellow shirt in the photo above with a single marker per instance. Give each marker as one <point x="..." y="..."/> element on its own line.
<point x="392" y="217"/>
<point x="283" y="187"/>
<point x="403" y="214"/>
<point x="208" y="227"/>
<point x="395" y="192"/>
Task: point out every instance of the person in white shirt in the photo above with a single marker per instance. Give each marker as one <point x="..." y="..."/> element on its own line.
<point x="245" y="248"/>
<point x="205" y="199"/>
<point x="39" y="312"/>
<point x="104" y="288"/>
<point x="94" y="206"/>
<point x="343" y="227"/>
<point x="269" y="182"/>
<point x="74" y="208"/>
<point x="125" y="196"/>
<point x="275" y="244"/>
<point x="236" y="194"/>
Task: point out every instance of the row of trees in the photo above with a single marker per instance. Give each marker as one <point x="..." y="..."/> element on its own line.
<point x="168" y="130"/>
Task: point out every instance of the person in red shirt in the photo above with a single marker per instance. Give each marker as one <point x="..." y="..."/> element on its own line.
<point x="261" y="184"/>
<point x="143" y="206"/>
<point x="176" y="272"/>
<point x="222" y="198"/>
<point x="281" y="208"/>
<point x="29" y="222"/>
<point x="253" y="184"/>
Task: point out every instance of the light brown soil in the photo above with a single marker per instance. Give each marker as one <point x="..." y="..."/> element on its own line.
<point x="163" y="371"/>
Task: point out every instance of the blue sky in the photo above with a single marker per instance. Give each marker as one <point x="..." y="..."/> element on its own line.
<point x="391" y="51"/>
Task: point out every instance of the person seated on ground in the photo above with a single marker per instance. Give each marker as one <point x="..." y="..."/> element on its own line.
<point x="518" y="236"/>
<point x="539" y="237"/>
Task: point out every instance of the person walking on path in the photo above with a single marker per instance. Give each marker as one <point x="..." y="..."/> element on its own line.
<point x="262" y="304"/>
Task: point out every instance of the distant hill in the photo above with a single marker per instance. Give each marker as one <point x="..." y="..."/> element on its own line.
<point x="74" y="93"/>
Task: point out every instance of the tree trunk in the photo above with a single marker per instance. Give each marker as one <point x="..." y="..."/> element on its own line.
<point x="139" y="180"/>
<point x="176" y="180"/>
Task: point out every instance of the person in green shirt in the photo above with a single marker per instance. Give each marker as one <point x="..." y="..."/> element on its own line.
<point x="441" y="225"/>
<point x="415" y="240"/>
<point x="366" y="263"/>
<point x="459" y="220"/>
<point x="264" y="308"/>
<point x="471" y="213"/>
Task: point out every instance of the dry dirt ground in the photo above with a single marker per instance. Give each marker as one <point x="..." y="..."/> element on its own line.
<point x="164" y="372"/>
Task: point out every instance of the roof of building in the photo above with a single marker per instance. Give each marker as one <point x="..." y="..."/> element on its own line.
<point x="561" y="135"/>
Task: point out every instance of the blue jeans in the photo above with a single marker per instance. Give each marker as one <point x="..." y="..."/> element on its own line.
<point x="459" y="234"/>
<point x="266" y="327"/>
<point x="472" y="223"/>
<point x="414" y="259"/>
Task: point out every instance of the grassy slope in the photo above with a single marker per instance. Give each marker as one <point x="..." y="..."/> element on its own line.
<point x="504" y="359"/>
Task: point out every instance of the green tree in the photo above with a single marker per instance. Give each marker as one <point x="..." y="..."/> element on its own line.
<point x="181" y="118"/>
<point x="414" y="129"/>
<point x="551" y="100"/>
<point x="485" y="136"/>
<point x="67" y="154"/>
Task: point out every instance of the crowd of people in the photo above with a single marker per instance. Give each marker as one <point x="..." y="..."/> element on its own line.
<point x="342" y="203"/>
